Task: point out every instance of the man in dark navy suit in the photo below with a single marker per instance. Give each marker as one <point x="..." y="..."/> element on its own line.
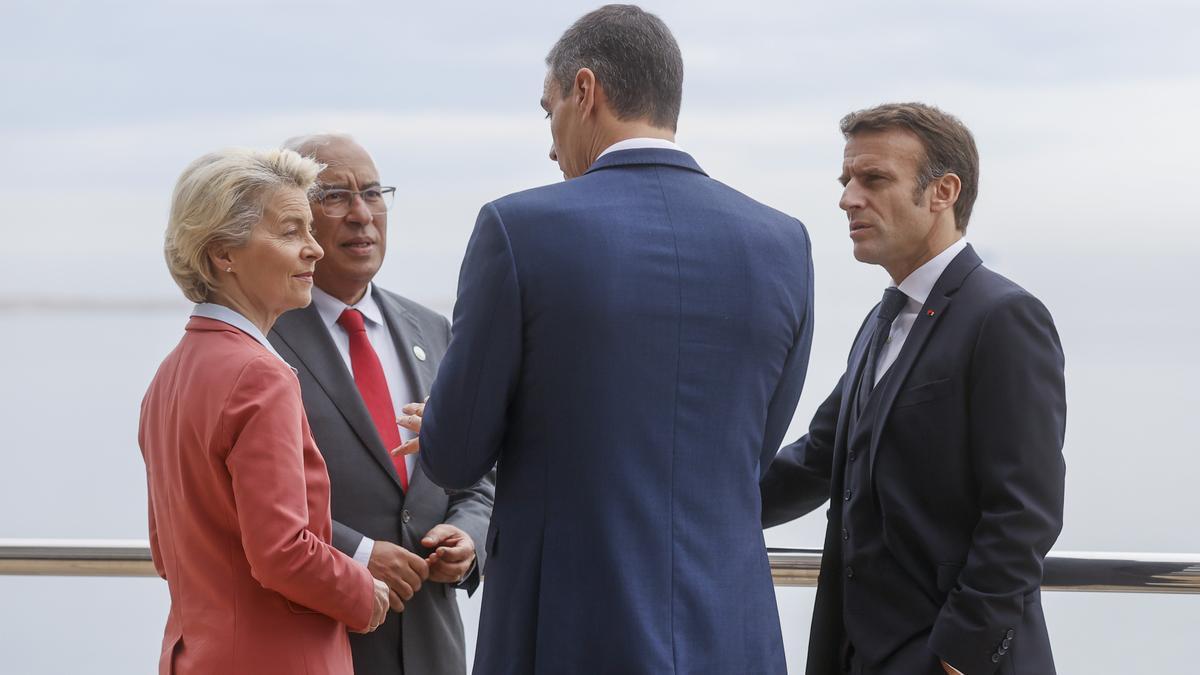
<point x="629" y="346"/>
<point x="941" y="447"/>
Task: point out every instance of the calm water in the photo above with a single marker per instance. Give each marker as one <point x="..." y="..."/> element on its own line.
<point x="72" y="382"/>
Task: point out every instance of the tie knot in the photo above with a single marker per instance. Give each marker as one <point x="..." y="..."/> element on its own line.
<point x="893" y="301"/>
<point x="352" y="320"/>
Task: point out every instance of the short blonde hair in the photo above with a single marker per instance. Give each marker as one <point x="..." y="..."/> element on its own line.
<point x="218" y="200"/>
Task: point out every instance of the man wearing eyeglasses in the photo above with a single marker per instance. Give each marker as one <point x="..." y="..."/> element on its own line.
<point x="362" y="353"/>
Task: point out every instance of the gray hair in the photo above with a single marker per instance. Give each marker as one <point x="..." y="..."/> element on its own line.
<point x="634" y="57"/>
<point x="307" y="145"/>
<point x="218" y="200"/>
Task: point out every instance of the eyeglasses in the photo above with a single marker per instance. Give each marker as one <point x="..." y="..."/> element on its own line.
<point x="336" y="202"/>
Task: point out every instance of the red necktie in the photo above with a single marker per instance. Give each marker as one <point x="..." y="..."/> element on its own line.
<point x="372" y="386"/>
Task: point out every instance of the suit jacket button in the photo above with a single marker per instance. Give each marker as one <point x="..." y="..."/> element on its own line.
<point x="847" y="494"/>
<point x="1006" y="643"/>
<point x="851" y="456"/>
<point x="405" y="515"/>
<point x="849" y="572"/>
<point x="845" y="534"/>
<point x="995" y="658"/>
<point x="1010" y="634"/>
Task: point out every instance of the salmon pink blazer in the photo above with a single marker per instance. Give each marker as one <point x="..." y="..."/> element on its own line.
<point x="239" y="515"/>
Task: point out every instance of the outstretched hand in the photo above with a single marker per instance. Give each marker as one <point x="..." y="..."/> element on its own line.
<point x="411" y="420"/>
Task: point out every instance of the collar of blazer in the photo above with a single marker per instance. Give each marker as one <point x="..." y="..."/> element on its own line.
<point x="930" y="316"/>
<point x="305" y="333"/>
<point x="636" y="156"/>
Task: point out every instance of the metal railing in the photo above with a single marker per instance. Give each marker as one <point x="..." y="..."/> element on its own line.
<point x="76" y="557"/>
<point x="1064" y="570"/>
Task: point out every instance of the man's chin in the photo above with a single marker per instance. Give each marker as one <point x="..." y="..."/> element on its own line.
<point x="359" y="268"/>
<point x="864" y="254"/>
<point x="345" y="278"/>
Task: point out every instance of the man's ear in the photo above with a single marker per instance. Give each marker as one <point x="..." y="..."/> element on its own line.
<point x="944" y="192"/>
<point x="584" y="91"/>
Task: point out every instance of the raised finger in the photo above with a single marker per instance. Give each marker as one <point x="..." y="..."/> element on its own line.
<point x="410" y="422"/>
<point x="408" y="447"/>
<point x="439" y="535"/>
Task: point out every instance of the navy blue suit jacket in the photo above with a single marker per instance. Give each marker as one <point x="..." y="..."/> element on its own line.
<point x="966" y="477"/>
<point x="629" y="346"/>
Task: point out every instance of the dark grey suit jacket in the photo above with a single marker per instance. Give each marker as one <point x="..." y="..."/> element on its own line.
<point x="427" y="638"/>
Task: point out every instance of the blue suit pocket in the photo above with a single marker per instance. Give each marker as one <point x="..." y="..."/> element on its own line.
<point x="923" y="393"/>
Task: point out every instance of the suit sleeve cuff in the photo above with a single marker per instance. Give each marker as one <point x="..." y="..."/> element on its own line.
<point x="467" y="583"/>
<point x="362" y="555"/>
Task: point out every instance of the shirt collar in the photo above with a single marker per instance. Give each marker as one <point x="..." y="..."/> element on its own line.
<point x="330" y="308"/>
<point x="211" y="310"/>
<point x="638" y="143"/>
<point x="919" y="284"/>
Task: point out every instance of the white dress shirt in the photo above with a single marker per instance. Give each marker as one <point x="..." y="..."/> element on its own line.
<point x="917" y="286"/>
<point x="330" y="308"/>
<point x="639" y="143"/>
<point x="211" y="310"/>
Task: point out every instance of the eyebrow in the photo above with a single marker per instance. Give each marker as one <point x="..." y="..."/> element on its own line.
<point x="866" y="168"/>
<point x="344" y="186"/>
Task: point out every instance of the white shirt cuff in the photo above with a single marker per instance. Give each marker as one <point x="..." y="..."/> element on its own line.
<point x="362" y="555"/>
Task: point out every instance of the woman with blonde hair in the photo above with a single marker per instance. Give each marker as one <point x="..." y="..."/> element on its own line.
<point x="238" y="493"/>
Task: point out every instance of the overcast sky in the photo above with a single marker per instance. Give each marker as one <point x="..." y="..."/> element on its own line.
<point x="1085" y="114"/>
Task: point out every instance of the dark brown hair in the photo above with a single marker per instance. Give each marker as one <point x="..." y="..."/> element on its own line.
<point x="949" y="146"/>
<point x="634" y="57"/>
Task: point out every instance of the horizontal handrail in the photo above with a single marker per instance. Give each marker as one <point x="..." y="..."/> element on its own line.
<point x="76" y="557"/>
<point x="1064" y="570"/>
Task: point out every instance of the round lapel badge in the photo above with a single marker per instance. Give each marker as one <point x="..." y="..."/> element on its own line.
<point x="418" y="352"/>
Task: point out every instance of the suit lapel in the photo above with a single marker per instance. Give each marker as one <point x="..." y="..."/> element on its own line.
<point x="854" y="367"/>
<point x="305" y="332"/>
<point x="858" y="358"/>
<point x="932" y="314"/>
<point x="408" y="338"/>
